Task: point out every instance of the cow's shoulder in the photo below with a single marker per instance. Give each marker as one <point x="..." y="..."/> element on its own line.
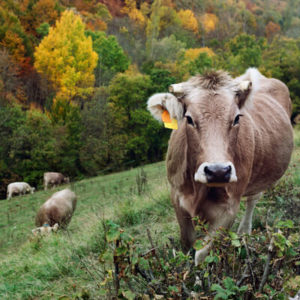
<point x="177" y="157"/>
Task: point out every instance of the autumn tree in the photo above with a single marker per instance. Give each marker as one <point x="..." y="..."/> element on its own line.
<point x="133" y="13"/>
<point x="209" y="22"/>
<point x="45" y="11"/>
<point x="272" y="29"/>
<point x="67" y="58"/>
<point x="13" y="38"/>
<point x="188" y="20"/>
<point x="95" y="15"/>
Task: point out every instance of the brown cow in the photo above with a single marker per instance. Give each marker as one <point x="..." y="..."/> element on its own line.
<point x="52" y="179"/>
<point x="58" y="209"/>
<point x="234" y="139"/>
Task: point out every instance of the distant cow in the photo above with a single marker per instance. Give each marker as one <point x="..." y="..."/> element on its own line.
<point x="234" y="139"/>
<point x="58" y="209"/>
<point x="52" y="179"/>
<point x="19" y="188"/>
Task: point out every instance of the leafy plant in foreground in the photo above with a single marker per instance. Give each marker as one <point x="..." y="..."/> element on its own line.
<point x="239" y="267"/>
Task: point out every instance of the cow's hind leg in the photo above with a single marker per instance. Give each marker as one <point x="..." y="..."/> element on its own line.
<point x="246" y="223"/>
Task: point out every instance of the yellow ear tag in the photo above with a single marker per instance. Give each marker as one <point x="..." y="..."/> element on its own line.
<point x="169" y="123"/>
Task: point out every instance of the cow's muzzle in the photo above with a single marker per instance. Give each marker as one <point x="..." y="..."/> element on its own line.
<point x="216" y="174"/>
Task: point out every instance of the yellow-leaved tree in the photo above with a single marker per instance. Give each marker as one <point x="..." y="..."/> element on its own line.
<point x="188" y="20"/>
<point x="193" y="53"/>
<point x="66" y="57"/>
<point x="209" y="22"/>
<point x="133" y="13"/>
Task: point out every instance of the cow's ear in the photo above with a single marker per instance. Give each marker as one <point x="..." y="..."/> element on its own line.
<point x="243" y="94"/>
<point x="158" y="103"/>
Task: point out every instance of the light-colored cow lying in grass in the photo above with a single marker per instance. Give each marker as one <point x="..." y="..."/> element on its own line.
<point x="19" y="188"/>
<point x="58" y="209"/>
<point x="53" y="179"/>
<point x="44" y="230"/>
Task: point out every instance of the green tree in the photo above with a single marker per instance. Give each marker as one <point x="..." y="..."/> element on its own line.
<point x="166" y="49"/>
<point x="33" y="147"/>
<point x="67" y="58"/>
<point x="200" y="64"/>
<point x="281" y="60"/>
<point x="161" y="80"/>
<point x="152" y="30"/>
<point x="138" y="134"/>
<point x="111" y="57"/>
<point x="11" y="118"/>
<point x="242" y="52"/>
<point x="97" y="148"/>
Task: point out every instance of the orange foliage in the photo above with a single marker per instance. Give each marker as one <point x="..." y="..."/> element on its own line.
<point x="84" y="5"/>
<point x="251" y="6"/>
<point x="96" y="25"/>
<point x="14" y="44"/>
<point x="93" y="22"/>
<point x="188" y="20"/>
<point x="44" y="11"/>
<point x="209" y="22"/>
<point x="271" y="29"/>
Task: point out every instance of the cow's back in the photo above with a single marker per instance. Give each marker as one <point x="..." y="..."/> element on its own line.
<point x="57" y="209"/>
<point x="273" y="134"/>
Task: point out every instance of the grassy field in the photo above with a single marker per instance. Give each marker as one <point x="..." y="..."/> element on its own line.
<point x="53" y="266"/>
<point x="66" y="265"/>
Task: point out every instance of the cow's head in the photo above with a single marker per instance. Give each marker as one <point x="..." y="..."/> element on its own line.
<point x="209" y="109"/>
<point x="66" y="179"/>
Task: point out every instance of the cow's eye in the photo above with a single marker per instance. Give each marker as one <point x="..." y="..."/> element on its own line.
<point x="237" y="120"/>
<point x="190" y="120"/>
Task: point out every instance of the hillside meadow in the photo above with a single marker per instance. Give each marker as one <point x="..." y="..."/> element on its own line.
<point x="70" y="264"/>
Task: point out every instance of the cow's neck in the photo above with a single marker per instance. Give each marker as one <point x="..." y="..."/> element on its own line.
<point x="194" y="197"/>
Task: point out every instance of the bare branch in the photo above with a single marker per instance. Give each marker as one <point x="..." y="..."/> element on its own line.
<point x="249" y="262"/>
<point x="267" y="266"/>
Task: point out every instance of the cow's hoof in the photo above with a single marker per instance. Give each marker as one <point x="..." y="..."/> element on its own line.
<point x="201" y="254"/>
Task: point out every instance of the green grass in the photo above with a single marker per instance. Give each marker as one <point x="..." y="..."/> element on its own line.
<point x="53" y="266"/>
<point x="66" y="263"/>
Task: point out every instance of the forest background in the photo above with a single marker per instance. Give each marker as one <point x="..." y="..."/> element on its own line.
<point x="75" y="75"/>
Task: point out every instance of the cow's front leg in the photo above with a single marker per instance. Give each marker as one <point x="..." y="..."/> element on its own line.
<point x="187" y="231"/>
<point x="246" y="223"/>
<point x="223" y="217"/>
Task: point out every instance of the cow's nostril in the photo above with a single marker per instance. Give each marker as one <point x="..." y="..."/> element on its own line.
<point x="227" y="170"/>
<point x="207" y="171"/>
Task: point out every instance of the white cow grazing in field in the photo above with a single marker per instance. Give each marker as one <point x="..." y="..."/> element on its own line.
<point x="58" y="209"/>
<point x="19" y="188"/>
